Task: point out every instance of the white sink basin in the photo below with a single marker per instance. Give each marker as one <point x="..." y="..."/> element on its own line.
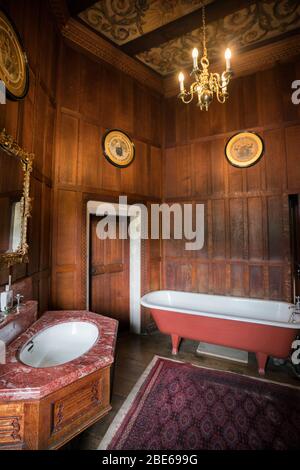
<point x="59" y="344"/>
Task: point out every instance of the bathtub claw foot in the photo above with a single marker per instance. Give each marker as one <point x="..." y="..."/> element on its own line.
<point x="175" y="344"/>
<point x="261" y="360"/>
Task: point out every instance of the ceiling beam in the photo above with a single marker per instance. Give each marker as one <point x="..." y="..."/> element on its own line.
<point x="183" y="25"/>
<point x="78" y="6"/>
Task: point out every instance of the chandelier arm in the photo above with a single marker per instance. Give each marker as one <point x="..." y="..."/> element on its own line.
<point x="183" y="96"/>
<point x="216" y="80"/>
<point x="216" y="86"/>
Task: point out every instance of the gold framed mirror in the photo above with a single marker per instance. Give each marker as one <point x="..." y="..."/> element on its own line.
<point x="15" y="201"/>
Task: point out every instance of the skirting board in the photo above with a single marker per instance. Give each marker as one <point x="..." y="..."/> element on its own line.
<point x="205" y="349"/>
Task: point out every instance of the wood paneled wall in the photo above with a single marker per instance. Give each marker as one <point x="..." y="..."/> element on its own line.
<point x="93" y="97"/>
<point x="247" y="243"/>
<point x="31" y="122"/>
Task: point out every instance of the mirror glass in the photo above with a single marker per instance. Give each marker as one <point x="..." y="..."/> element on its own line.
<point x="11" y="191"/>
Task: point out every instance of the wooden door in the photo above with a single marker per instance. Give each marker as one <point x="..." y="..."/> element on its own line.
<point x="109" y="276"/>
<point x="295" y="238"/>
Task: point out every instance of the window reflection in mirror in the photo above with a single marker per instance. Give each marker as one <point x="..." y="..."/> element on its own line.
<point x="11" y="186"/>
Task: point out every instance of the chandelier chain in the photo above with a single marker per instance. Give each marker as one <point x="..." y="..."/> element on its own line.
<point x="204" y="29"/>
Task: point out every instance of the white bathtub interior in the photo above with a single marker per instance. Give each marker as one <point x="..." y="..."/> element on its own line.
<point x="59" y="344"/>
<point x="232" y="308"/>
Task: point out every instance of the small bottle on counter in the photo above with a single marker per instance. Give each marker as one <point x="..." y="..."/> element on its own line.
<point x="7" y="298"/>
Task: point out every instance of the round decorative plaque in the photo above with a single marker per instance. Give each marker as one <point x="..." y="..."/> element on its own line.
<point x="118" y="148"/>
<point x="13" y="62"/>
<point x="244" y="149"/>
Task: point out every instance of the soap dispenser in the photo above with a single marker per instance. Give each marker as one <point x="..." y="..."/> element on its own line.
<point x="7" y="298"/>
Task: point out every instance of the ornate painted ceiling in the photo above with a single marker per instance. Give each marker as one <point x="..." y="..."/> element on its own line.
<point x="122" y="21"/>
<point x="126" y="22"/>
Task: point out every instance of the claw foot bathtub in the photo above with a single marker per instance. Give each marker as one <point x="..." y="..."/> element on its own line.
<point x="258" y="326"/>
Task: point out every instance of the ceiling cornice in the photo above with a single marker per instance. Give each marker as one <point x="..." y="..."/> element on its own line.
<point x="248" y="62"/>
<point x="84" y="38"/>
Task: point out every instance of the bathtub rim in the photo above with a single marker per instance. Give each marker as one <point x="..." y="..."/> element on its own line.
<point x="185" y="311"/>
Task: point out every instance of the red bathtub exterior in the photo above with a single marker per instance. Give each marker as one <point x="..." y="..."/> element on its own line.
<point x="264" y="340"/>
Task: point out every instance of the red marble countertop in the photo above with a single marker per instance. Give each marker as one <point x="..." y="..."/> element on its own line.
<point x="18" y="321"/>
<point x="21" y="382"/>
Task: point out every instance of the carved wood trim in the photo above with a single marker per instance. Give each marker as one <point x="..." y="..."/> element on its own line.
<point x="72" y="406"/>
<point x="11" y="429"/>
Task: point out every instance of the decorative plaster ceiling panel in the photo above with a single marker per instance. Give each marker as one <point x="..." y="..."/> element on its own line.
<point x="262" y="21"/>
<point x="122" y="21"/>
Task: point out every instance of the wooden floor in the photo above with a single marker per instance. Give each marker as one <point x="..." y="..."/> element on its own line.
<point x="134" y="353"/>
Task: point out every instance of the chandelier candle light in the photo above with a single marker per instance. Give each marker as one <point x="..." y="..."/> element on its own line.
<point x="206" y="83"/>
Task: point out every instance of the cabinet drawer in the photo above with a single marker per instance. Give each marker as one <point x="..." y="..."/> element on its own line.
<point x="71" y="407"/>
<point x="11" y="424"/>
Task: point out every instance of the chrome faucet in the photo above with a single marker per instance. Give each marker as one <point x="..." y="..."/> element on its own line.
<point x="19" y="298"/>
<point x="295" y="317"/>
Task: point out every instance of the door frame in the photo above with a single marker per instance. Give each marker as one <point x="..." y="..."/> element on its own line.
<point x="102" y="208"/>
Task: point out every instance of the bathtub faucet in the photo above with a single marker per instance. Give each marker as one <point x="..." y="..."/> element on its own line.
<point x="295" y="317"/>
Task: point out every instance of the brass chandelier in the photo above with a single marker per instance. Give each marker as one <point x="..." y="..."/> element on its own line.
<point x="206" y="84"/>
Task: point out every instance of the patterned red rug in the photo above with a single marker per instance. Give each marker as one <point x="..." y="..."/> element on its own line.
<point x="177" y="406"/>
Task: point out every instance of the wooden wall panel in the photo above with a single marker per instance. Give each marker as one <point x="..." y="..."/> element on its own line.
<point x="248" y="249"/>
<point x="237" y="279"/>
<point x="155" y="165"/>
<point x="255" y="177"/>
<point x="255" y="228"/>
<point x="268" y="90"/>
<point x="178" y="172"/>
<point x="201" y="278"/>
<point x="276" y="282"/>
<point x="236" y="224"/>
<point x="91" y="93"/>
<point x="219" y="278"/>
<point x="248" y="98"/>
<point x="217" y="166"/>
<point x="275" y="160"/>
<point x="68" y="82"/>
<point x="184" y="168"/>
<point x="89" y="158"/>
<point x="275" y="228"/>
<point x="235" y="180"/>
<point x="66" y="242"/>
<point x="68" y="149"/>
<point x="218" y="228"/>
<point x="141" y="167"/>
<point x="292" y="139"/>
<point x="65" y="294"/>
<point x="256" y="281"/>
<point x="201" y="168"/>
